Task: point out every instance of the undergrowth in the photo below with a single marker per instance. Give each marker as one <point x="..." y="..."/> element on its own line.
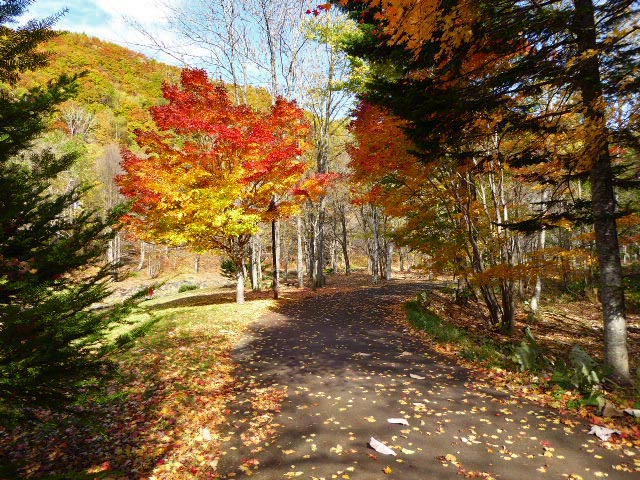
<point x="578" y="373"/>
<point x="471" y="347"/>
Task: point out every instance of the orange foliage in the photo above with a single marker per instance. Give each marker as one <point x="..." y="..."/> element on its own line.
<point x="215" y="169"/>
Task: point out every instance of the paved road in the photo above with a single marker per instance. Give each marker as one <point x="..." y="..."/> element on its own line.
<point x="347" y="371"/>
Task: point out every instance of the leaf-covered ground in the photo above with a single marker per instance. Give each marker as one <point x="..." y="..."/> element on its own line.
<point x="161" y="416"/>
<point x="563" y="323"/>
<point x="298" y="389"/>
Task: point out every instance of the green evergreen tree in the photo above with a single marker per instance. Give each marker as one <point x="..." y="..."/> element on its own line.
<point x="51" y="250"/>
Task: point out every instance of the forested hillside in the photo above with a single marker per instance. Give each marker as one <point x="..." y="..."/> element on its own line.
<point x="115" y="93"/>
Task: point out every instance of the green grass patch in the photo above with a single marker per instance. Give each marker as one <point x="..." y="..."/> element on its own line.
<point x="187" y="288"/>
<point x="471" y="346"/>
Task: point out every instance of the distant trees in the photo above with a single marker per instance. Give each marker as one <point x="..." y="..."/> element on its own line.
<point x="51" y="268"/>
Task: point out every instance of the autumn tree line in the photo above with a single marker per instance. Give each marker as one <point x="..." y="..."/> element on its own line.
<point x="111" y="160"/>
<point x="494" y="143"/>
<point x="515" y="130"/>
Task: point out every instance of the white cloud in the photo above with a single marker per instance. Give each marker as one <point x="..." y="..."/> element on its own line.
<point x="113" y="20"/>
<point x="153" y="12"/>
<point x="124" y="15"/>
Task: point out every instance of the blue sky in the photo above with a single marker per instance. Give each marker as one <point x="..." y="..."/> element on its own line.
<point x="107" y="19"/>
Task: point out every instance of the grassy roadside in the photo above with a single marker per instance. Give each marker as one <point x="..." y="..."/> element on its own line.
<point x="470" y="346"/>
<point x="161" y="413"/>
<point x="495" y="357"/>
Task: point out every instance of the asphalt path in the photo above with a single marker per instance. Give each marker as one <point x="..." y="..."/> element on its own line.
<point x="347" y="370"/>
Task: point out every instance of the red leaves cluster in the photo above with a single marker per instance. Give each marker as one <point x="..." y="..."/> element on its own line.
<point x="316" y="11"/>
<point x="210" y="150"/>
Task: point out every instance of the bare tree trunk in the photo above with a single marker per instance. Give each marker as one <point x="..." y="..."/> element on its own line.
<point x="300" y="256"/>
<point x="388" y="274"/>
<point x="244" y="269"/>
<point x="284" y="252"/>
<point x="239" y="284"/>
<point x="534" y="304"/>
<point x="345" y="243"/>
<point x="197" y="264"/>
<point x="319" y="250"/>
<point x="401" y="254"/>
<point x="255" y="284"/>
<point x="114" y="254"/>
<point x="258" y="243"/>
<point x="375" y="260"/>
<point x="275" y="247"/>
<point x="334" y="249"/>
<point x="312" y="244"/>
<point x="143" y="254"/>
<point x="508" y="306"/>
<point x="603" y="200"/>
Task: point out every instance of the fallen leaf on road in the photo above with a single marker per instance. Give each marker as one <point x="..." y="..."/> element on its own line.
<point x="380" y="447"/>
<point x="416" y="376"/>
<point x="337" y="449"/>
<point x="387" y="470"/>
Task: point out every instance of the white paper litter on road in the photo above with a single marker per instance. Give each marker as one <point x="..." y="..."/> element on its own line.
<point x="381" y="447"/>
<point x="634" y="412"/>
<point x="416" y="376"/>
<point x="603" y="433"/>
<point x="400" y="421"/>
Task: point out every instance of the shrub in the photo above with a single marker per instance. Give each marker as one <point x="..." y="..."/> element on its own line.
<point x="423" y="299"/>
<point x="528" y="355"/>
<point x="228" y="268"/>
<point x="577" y="289"/>
<point x="187" y="287"/>
<point x="582" y="373"/>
